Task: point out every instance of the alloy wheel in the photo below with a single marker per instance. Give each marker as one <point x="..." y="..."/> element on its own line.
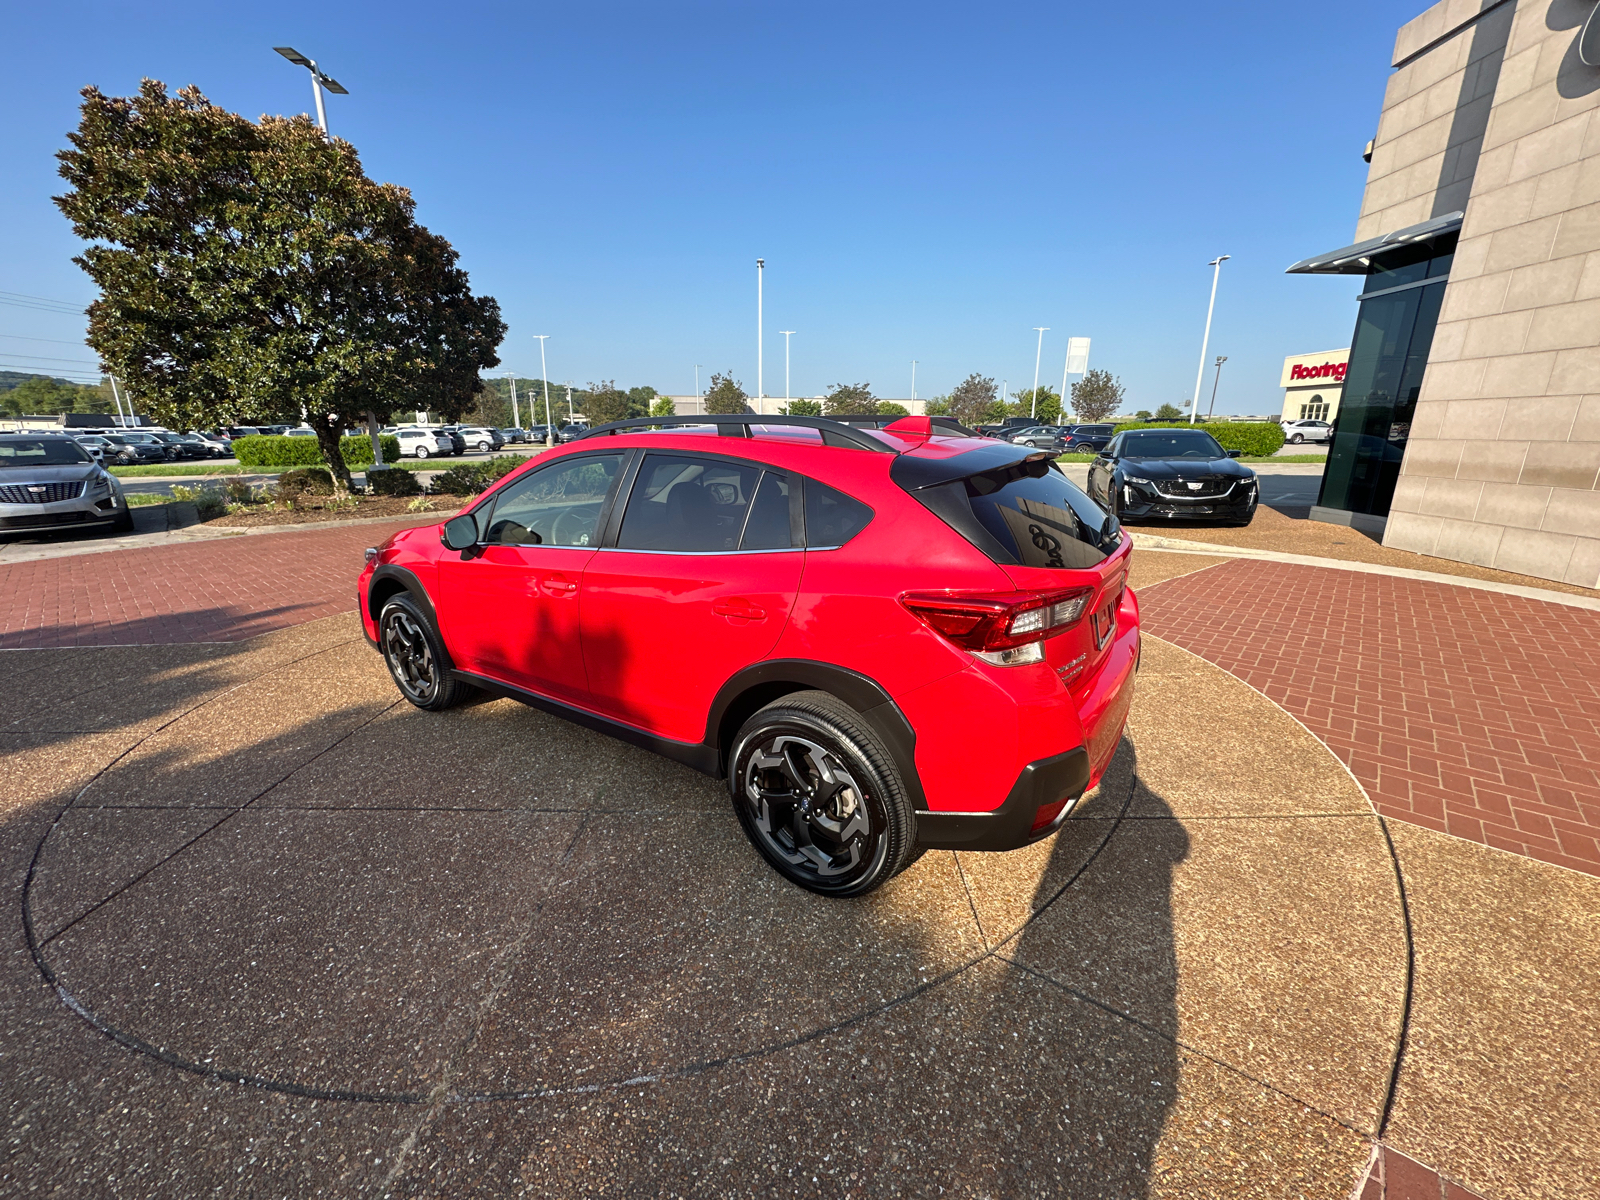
<point x="808" y="809"/>
<point x="410" y="659"/>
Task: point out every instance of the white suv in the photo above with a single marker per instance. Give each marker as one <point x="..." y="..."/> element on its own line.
<point x="1296" y="432"/>
<point x="421" y="443"/>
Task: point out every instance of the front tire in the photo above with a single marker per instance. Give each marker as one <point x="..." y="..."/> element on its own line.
<point x="1297" y="439"/>
<point x="422" y="452"/>
<point x="415" y="656"/>
<point x="818" y="795"/>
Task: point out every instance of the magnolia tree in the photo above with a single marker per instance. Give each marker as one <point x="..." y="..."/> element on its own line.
<point x="1097" y="396"/>
<point x="973" y="399"/>
<point x="850" y="400"/>
<point x="252" y="271"/>
<point x="726" y="396"/>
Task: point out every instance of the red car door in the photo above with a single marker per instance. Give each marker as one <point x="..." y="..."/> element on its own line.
<point x="699" y="585"/>
<point x="509" y="608"/>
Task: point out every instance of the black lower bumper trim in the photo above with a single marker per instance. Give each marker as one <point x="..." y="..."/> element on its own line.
<point x="1047" y="781"/>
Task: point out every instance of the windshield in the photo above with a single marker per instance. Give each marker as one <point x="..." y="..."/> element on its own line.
<point x="1186" y="443"/>
<point x="41" y="452"/>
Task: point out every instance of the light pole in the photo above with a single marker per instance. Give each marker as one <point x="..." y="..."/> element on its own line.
<point x="697" y="389"/>
<point x="786" y="333"/>
<point x="1216" y="265"/>
<point x="318" y="82"/>
<point x="913" y="381"/>
<point x="544" y="375"/>
<point x="761" y="266"/>
<point x="570" y="416"/>
<point x="1040" y="330"/>
<point x="516" y="418"/>
<point x="1221" y="358"/>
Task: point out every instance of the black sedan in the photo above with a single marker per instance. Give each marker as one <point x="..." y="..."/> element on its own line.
<point x="1173" y="474"/>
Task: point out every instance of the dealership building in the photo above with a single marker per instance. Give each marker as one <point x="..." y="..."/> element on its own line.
<point x="1469" y="422"/>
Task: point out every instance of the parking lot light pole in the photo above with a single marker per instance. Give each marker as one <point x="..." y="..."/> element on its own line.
<point x="544" y="373"/>
<point x="1221" y="358"/>
<point x="1040" y="330"/>
<point x="913" y="381"/>
<point x="318" y="82"/>
<point x="786" y="333"/>
<point x="761" y="267"/>
<point x="1205" y="342"/>
<point x="516" y="418"/>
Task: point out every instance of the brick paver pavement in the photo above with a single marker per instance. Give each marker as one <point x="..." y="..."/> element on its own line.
<point x="214" y="591"/>
<point x="1469" y="712"/>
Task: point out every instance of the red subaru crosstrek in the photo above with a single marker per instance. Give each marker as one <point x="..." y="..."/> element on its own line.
<point x="886" y="640"/>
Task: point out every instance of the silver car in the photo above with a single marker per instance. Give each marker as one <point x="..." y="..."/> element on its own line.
<point x="48" y="481"/>
<point x="1296" y="432"/>
<point x="424" y="443"/>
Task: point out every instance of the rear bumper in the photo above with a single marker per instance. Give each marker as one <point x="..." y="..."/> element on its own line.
<point x="1049" y="781"/>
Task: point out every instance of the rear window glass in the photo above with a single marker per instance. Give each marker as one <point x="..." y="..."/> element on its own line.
<point x="1040" y="515"/>
<point x="832" y="518"/>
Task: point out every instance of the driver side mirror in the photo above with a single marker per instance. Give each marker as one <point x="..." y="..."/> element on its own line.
<point x="1235" y="453"/>
<point x="460" y="533"/>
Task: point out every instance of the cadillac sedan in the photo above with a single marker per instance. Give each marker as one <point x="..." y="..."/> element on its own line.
<point x="1173" y="474"/>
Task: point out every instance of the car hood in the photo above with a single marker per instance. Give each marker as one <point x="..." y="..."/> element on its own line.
<point x="63" y="474"/>
<point x="1186" y="468"/>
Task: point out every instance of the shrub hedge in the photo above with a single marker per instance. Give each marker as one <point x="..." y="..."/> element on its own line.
<point x="308" y="481"/>
<point x="471" y="478"/>
<point x="393" y="483"/>
<point x="1258" y="439"/>
<point x="266" y="450"/>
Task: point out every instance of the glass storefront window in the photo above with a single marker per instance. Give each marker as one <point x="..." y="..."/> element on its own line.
<point x="1388" y="355"/>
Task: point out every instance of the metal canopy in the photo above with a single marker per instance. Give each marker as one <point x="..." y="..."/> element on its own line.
<point x="1358" y="259"/>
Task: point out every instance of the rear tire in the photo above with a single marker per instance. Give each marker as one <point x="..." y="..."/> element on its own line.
<point x="818" y="795"/>
<point x="422" y="452"/>
<point x="1297" y="439"/>
<point x="415" y="656"/>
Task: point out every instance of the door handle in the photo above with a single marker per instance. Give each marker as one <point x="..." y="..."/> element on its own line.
<point x="737" y="607"/>
<point x="559" y="585"/>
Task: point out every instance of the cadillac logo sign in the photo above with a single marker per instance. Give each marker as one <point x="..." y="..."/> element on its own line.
<point x="1194" y="487"/>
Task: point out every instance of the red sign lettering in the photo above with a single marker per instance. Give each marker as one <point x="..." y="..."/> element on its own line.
<point x="1324" y="371"/>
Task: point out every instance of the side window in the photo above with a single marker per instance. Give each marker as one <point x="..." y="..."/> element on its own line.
<point x="688" y="505"/>
<point x="768" y="526"/>
<point x="832" y="518"/>
<point x="556" y="506"/>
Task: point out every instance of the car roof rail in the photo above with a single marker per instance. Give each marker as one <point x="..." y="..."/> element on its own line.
<point x="834" y="433"/>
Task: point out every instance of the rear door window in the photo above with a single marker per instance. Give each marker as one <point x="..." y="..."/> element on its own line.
<point x="1041" y="516"/>
<point x="687" y="505"/>
<point x="832" y="518"/>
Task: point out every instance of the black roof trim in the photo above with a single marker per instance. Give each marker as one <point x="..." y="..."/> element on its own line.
<point x="833" y="433"/>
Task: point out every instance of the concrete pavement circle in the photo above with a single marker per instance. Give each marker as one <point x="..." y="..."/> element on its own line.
<point x="346" y="899"/>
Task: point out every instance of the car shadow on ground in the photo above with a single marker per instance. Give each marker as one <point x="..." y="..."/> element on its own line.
<point x="573" y="977"/>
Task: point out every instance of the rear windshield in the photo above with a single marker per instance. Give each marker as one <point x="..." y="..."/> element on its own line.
<point x="1041" y="516"/>
<point x="41" y="452"/>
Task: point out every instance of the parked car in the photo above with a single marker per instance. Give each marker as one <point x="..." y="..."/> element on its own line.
<point x="1182" y="474"/>
<point x="651" y="585"/>
<point x="99" y="449"/>
<point x="239" y="431"/>
<point x="48" y="481"/>
<point x="990" y="431"/>
<point x="572" y="432"/>
<point x="217" y="445"/>
<point x="1295" y="432"/>
<point x="1087" y="439"/>
<point x="424" y="443"/>
<point x="480" y="438"/>
<point x="538" y="433"/>
<point x="1040" y="437"/>
<point x="512" y="434"/>
<point x="134" y="446"/>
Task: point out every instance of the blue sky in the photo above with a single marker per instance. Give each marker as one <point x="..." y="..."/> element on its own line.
<point x="924" y="181"/>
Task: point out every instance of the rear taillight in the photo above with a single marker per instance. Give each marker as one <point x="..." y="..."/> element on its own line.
<point x="993" y="621"/>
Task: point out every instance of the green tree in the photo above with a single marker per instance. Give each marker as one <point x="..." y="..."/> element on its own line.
<point x="726" y="396"/>
<point x="252" y="271"/>
<point x="850" y="400"/>
<point x="939" y="406"/>
<point x="662" y="407"/>
<point x="1097" y="396"/>
<point x="974" y="399"/>
<point x="1048" y="411"/>
<point x="1168" y="412"/>
<point x="603" y="403"/>
<point x="639" y="401"/>
<point x="39" y="395"/>
<point x="888" y="408"/>
<point x="804" y="408"/>
<point x="1143" y="414"/>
